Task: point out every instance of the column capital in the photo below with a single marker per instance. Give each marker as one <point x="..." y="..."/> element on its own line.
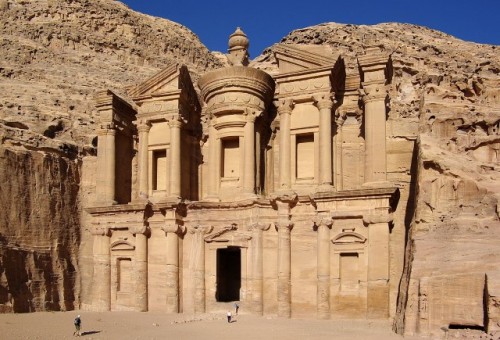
<point x="324" y="100"/>
<point x="283" y="223"/>
<point x="174" y="228"/>
<point x="259" y="226"/>
<point x="320" y="221"/>
<point x="143" y="126"/>
<point x="175" y="123"/>
<point x="284" y="106"/>
<point x="378" y="217"/>
<point x="201" y="229"/>
<point x="107" y="129"/>
<point x="373" y="92"/>
<point x="100" y="230"/>
<point x="138" y="229"/>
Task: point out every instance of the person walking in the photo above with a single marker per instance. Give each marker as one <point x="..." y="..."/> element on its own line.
<point x="77" y="323"/>
<point x="229" y="316"/>
<point x="236" y="307"/>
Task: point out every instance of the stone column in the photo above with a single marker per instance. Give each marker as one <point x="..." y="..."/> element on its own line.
<point x="323" y="225"/>
<point x="143" y="129"/>
<point x="141" y="268"/>
<point x="324" y="103"/>
<point x="101" y="287"/>
<point x="175" y="158"/>
<point x="212" y="186"/>
<point x="106" y="155"/>
<point x="378" y="264"/>
<point x="172" y="231"/>
<point x="285" y="110"/>
<point x="249" y="155"/>
<point x="199" y="270"/>
<point x="257" y="266"/>
<point x="374" y="93"/>
<point x="284" y="226"/>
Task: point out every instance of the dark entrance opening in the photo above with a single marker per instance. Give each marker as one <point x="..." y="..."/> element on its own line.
<point x="228" y="274"/>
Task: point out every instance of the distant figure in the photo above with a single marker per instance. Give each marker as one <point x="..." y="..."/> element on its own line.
<point x="236" y="307"/>
<point x="77" y="323"/>
<point x="229" y="316"/>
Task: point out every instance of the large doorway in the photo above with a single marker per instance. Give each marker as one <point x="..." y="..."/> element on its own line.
<point x="228" y="274"/>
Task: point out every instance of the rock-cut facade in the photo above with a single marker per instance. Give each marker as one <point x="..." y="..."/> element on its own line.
<point x="273" y="190"/>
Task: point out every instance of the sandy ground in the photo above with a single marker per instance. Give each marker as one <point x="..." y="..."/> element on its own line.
<point x="132" y="325"/>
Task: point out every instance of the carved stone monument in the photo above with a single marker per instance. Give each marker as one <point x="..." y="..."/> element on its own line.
<point x="246" y="192"/>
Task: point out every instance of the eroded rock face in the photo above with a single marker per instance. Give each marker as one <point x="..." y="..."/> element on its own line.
<point x="39" y="231"/>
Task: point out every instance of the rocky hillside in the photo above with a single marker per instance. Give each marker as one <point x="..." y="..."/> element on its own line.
<point x="54" y="55"/>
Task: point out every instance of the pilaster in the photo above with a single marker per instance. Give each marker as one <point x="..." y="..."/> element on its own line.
<point x="106" y="164"/>
<point x="143" y="129"/>
<point x="172" y="230"/>
<point x="378" y="264"/>
<point x="199" y="270"/>
<point x="323" y="225"/>
<point x="373" y="67"/>
<point x="175" y="157"/>
<point x="324" y="102"/>
<point x="141" y="267"/>
<point x="285" y="107"/>
<point x="257" y="266"/>
<point x="101" y="288"/>
<point x="284" y="226"/>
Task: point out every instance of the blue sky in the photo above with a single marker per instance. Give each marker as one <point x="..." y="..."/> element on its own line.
<point x="266" y="22"/>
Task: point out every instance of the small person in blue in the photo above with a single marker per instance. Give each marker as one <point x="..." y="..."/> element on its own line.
<point x="78" y="323"/>
<point x="236" y="307"/>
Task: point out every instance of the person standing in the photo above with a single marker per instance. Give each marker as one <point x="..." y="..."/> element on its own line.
<point x="78" y="323"/>
<point x="236" y="307"/>
<point x="229" y="316"/>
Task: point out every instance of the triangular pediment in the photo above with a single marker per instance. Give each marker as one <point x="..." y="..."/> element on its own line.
<point x="165" y="81"/>
<point x="293" y="58"/>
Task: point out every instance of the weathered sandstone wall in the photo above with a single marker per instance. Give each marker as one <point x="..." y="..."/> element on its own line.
<point x="39" y="231"/>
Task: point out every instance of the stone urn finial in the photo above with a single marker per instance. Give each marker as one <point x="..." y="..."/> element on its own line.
<point x="238" y="48"/>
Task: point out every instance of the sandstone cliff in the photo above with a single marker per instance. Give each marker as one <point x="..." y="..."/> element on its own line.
<point x="445" y="102"/>
<point x="54" y="56"/>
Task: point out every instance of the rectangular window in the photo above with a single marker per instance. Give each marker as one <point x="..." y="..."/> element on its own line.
<point x="305" y="156"/>
<point x="230" y="159"/>
<point x="124" y="272"/>
<point x="159" y="170"/>
<point x="349" y="272"/>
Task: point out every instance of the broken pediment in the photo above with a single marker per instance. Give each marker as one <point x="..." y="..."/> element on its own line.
<point x="294" y="58"/>
<point x="122" y="245"/>
<point x="171" y="79"/>
<point x="348" y="238"/>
